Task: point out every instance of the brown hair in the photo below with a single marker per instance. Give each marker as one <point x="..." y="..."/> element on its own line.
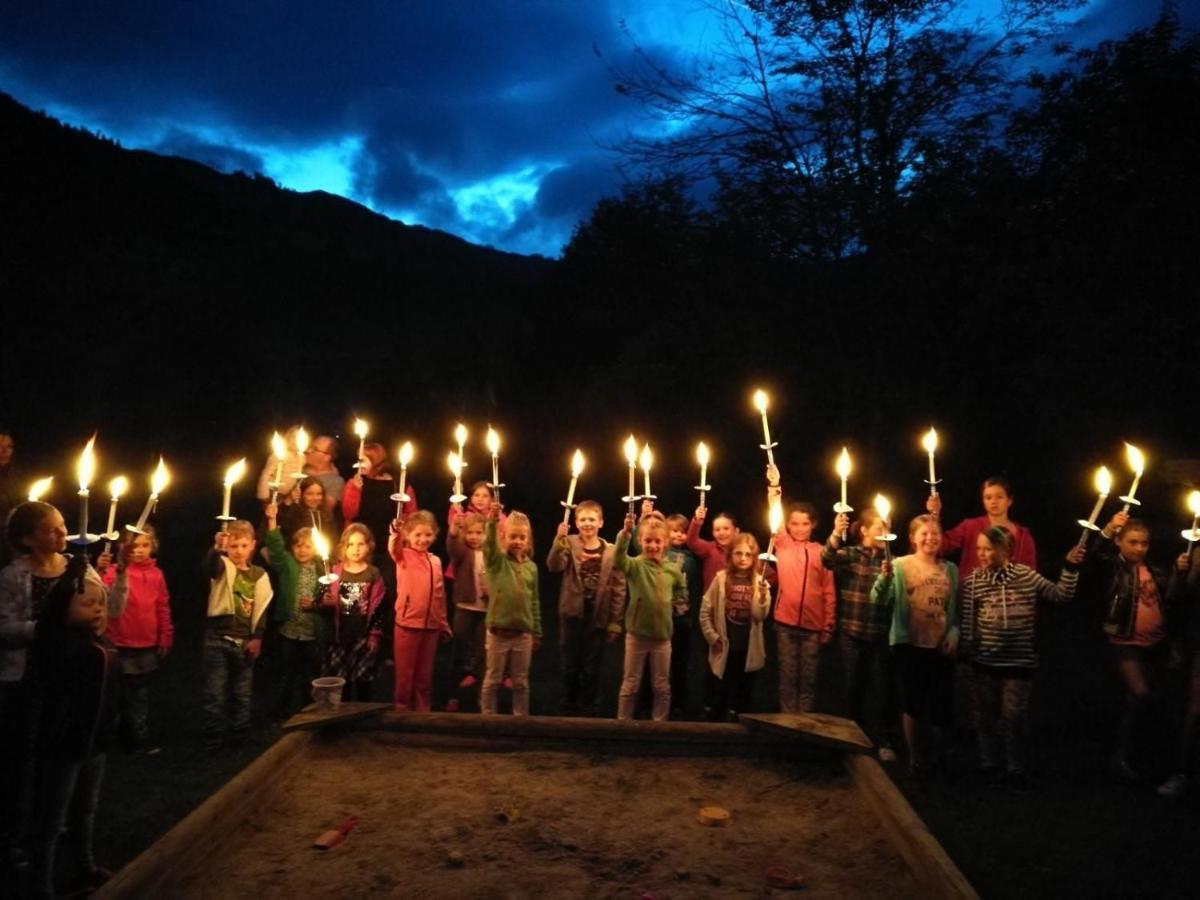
<point x="24" y="520"/>
<point x="301" y="534"/>
<point x="918" y="521"/>
<point x="520" y="520"/>
<point x="360" y="529"/>
<point x="149" y="531"/>
<point x="241" y="528"/>
<point x="653" y="523"/>
<point x="678" y="522"/>
<point x="742" y="537"/>
<point x="589" y="504"/>
<point x="421" y="517"/>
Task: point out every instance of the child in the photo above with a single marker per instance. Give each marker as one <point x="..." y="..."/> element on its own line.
<point x="732" y="615"/>
<point x="711" y="554"/>
<point x="465" y="546"/>
<point x="354" y="605"/>
<point x="592" y="597"/>
<point x="309" y="509"/>
<point x="997" y="501"/>
<point x="999" y="603"/>
<point x="143" y="633"/>
<point x="514" y="616"/>
<point x="74" y="680"/>
<point x="863" y="627"/>
<point x="421" y="619"/>
<point x="295" y="612"/>
<point x="685" y="613"/>
<point x="1135" y="621"/>
<point x="653" y="583"/>
<point x="1187" y="568"/>
<point x="805" y="608"/>
<point x="923" y="593"/>
<point x="239" y="594"/>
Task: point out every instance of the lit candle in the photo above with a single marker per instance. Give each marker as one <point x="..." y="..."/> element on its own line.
<point x="1103" y="482"/>
<point x="38" y="489"/>
<point x="930" y="442"/>
<point x="775" y="523"/>
<point x="493" y="445"/>
<point x="1193" y="502"/>
<point x="631" y="453"/>
<point x="760" y="403"/>
<point x="232" y="476"/>
<point x="301" y="447"/>
<point x="843" y="470"/>
<point x="116" y="488"/>
<point x="279" y="451"/>
<point x="460" y="436"/>
<point x="321" y="545"/>
<point x="884" y="508"/>
<point x="360" y="429"/>
<point x="702" y="458"/>
<point x="454" y="461"/>
<point x="576" y="469"/>
<point x="1137" y="462"/>
<point x="158" y="483"/>
<point x="646" y="461"/>
<point x="85" y="469"/>
<point x="406" y="455"/>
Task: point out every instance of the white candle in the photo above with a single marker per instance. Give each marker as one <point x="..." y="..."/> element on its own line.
<point x="301" y="447"/>
<point x="1103" y="483"/>
<point x="702" y="458"/>
<point x="930" y="442"/>
<point x="647" y="460"/>
<point x="406" y="455"/>
<point x="455" y="463"/>
<point x="631" y="453"/>
<point x="460" y="435"/>
<point x="232" y="475"/>
<point x="1194" y="506"/>
<point x="576" y="469"/>
<point x="38" y="489"/>
<point x="85" y="469"/>
<point x="158" y="482"/>
<point x="493" y="445"/>
<point x="843" y="470"/>
<point x="884" y="508"/>
<point x="775" y="523"/>
<point x="279" y="451"/>
<point x="1137" y="462"/>
<point x="760" y="402"/>
<point x="360" y="429"/>
<point x="116" y="488"/>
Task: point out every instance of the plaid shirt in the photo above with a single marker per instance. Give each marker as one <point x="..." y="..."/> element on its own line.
<point x="855" y="569"/>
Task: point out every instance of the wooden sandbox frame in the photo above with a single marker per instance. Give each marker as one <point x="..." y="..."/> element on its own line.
<point x="191" y="841"/>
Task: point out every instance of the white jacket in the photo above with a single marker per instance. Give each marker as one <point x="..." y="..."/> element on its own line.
<point x="712" y="623"/>
<point x="220" y="595"/>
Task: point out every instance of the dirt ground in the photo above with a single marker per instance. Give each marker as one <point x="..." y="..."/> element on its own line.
<point x="584" y="825"/>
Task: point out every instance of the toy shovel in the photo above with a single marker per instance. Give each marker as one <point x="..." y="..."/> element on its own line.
<point x="335" y="836"/>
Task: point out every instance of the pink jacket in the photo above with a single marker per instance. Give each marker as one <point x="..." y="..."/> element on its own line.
<point x="146" y="620"/>
<point x="962" y="538"/>
<point x="806" y="596"/>
<point x="420" y="590"/>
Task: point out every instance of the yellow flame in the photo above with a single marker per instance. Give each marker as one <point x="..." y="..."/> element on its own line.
<point x="1194" y="503"/>
<point x="1103" y="480"/>
<point x="38" y="489"/>
<point x="493" y="441"/>
<point x="118" y="486"/>
<point x="883" y="506"/>
<point x="235" y="472"/>
<point x="161" y="478"/>
<point x="702" y="453"/>
<point x="85" y="469"/>
<point x="760" y="400"/>
<point x="647" y="459"/>
<point x="301" y="439"/>
<point x="460" y="433"/>
<point x="360" y="428"/>
<point x="631" y="450"/>
<point x="930" y="440"/>
<point x="576" y="463"/>
<point x="406" y="453"/>
<point x="320" y="544"/>
<point x="278" y="447"/>
<point x="1137" y="462"/>
<point x="843" y="464"/>
<point x="454" y="463"/>
<point x="775" y="517"/>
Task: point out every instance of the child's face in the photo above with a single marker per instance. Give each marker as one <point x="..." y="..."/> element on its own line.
<point x="991" y="556"/>
<point x="996" y="501"/>
<point x="239" y="550"/>
<point x="927" y="539"/>
<point x="473" y="536"/>
<point x="517" y="541"/>
<point x="356" y="549"/>
<point x="420" y="537"/>
<point x="88" y="610"/>
<point x="723" y="531"/>
<point x="742" y="557"/>
<point x="678" y="537"/>
<point x="799" y="526"/>
<point x="654" y="544"/>
<point x="1133" y="545"/>
<point x="140" y="548"/>
<point x="589" y="522"/>
<point x="481" y="499"/>
<point x="50" y="536"/>
<point x="313" y="496"/>
<point x="871" y="532"/>
<point x="304" y="551"/>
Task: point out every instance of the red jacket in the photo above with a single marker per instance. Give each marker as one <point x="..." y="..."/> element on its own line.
<point x="420" y="590"/>
<point x="146" y="620"/>
<point x="962" y="538"/>
<point x="711" y="556"/>
<point x="806" y="596"/>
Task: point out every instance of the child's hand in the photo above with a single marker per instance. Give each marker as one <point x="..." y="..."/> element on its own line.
<point x="357" y="480"/>
<point x="561" y="532"/>
<point x="1184" y="563"/>
<point x="494" y="511"/>
<point x="949" y="645"/>
<point x="630" y="521"/>
<point x="103" y="561"/>
<point x="272" y="512"/>
<point x="306" y="603"/>
<point x="445" y="637"/>
<point x="886" y="568"/>
<point x="373" y="644"/>
<point x="700" y="514"/>
<point x="221" y="541"/>
<point x="1075" y="555"/>
<point x="647" y="507"/>
<point x="253" y="648"/>
<point x="397" y="526"/>
<point x="841" y="522"/>
<point x="826" y="637"/>
<point x="933" y="504"/>
<point x="772" y="475"/>
<point x="1117" y="522"/>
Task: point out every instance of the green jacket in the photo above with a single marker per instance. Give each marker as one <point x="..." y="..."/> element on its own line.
<point x="287" y="569"/>
<point x="652" y="589"/>
<point x="893" y="589"/>
<point x="512" y="588"/>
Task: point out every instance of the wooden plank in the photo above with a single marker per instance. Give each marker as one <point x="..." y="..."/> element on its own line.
<point x="930" y="864"/>
<point x="817" y="728"/>
<point x="311" y="718"/>
<point x="202" y="831"/>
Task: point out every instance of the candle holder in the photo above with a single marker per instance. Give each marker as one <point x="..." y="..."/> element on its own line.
<point x="457" y="498"/>
<point x="1191" y="535"/>
<point x="768" y="556"/>
<point x="400" y="498"/>
<point x="328" y="579"/>
<point x="887" y="539"/>
<point x="770" y="448"/>
<point x="85" y="540"/>
<point x="703" y="489"/>
<point x="933" y="485"/>
<point x="567" y="507"/>
<point x="631" y="499"/>
<point x="1130" y="502"/>
<point x="225" y="520"/>
<point x="840" y="508"/>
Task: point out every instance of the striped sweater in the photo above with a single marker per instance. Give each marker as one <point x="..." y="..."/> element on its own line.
<point x="1000" y="612"/>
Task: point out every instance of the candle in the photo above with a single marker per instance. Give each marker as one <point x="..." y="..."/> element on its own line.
<point x="232" y="475"/>
<point x="760" y="403"/>
<point x="1193" y="502"/>
<point x="116" y="488"/>
<point x="301" y="448"/>
<point x="702" y="458"/>
<point x="406" y="455"/>
<point x="1137" y="462"/>
<point x="454" y="461"/>
<point x="930" y="442"/>
<point x="38" y="489"/>
<point x="631" y="453"/>
<point x="493" y="445"/>
<point x="85" y="469"/>
<point x="158" y="482"/>
<point x="360" y="429"/>
<point x="843" y="470"/>
<point x="321" y="545"/>
<point x="576" y="469"/>
<point x="279" y="451"/>
<point x="884" y="508"/>
<point x="646" y="461"/>
<point x="1103" y="483"/>
<point x="460" y="436"/>
<point x="775" y="523"/>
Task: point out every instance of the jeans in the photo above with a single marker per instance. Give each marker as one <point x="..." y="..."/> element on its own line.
<point x="59" y="783"/>
<point x="637" y="650"/>
<point x="799" y="656"/>
<point x="228" y="687"/>
<point x="1002" y="698"/>
<point x="582" y="656"/>
<point x="514" y="652"/>
<point x="299" y="664"/>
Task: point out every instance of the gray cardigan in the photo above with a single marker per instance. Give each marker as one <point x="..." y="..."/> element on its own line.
<point x="567" y="557"/>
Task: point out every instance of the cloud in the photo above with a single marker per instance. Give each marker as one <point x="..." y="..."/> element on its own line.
<point x="224" y="158"/>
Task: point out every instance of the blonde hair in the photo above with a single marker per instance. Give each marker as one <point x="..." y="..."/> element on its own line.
<point x="472" y="520"/>
<point x="421" y="517"/>
<point x="520" y="520"/>
<point x="920" y="521"/>
<point x="742" y="537"/>
<point x="241" y="528"/>
<point x="356" y="528"/>
<point x="654" y="524"/>
<point x="302" y="534"/>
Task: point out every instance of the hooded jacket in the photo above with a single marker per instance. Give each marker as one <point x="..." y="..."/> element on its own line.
<point x="146" y="620"/>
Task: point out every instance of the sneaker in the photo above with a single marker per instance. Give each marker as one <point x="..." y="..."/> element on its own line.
<point x="886" y="754"/>
<point x="467" y="682"/>
<point x="451" y="705"/>
<point x="1174" y="787"/>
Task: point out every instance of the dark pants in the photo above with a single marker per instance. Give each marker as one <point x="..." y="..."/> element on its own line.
<point x="469" y="632"/>
<point x="228" y="685"/>
<point x="870" y="686"/>
<point x="733" y="693"/>
<point x="135" y="706"/>
<point x="681" y="653"/>
<point x="16" y="764"/>
<point x="66" y="787"/>
<point x="582" y="655"/>
<point x="299" y="664"/>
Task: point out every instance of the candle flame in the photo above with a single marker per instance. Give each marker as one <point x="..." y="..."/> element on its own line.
<point x="118" y="486"/>
<point x="1137" y="462"/>
<point x="160" y="479"/>
<point x="301" y="440"/>
<point x="38" y="489"/>
<point x="930" y="441"/>
<point x="883" y="506"/>
<point x="85" y="469"/>
<point x="360" y="428"/>
<point x="1194" y="503"/>
<point x="775" y="517"/>
<point x="1103" y="481"/>
<point x="647" y="458"/>
<point x="843" y="464"/>
<point x="761" y="400"/>
<point x="702" y="453"/>
<point x="406" y="453"/>
<point x="631" y="450"/>
<point x="454" y="463"/>
<point x="235" y="472"/>
<point x="493" y="441"/>
<point x="278" y="447"/>
<point x="577" y="464"/>
<point x="320" y="544"/>
<point x="460" y="433"/>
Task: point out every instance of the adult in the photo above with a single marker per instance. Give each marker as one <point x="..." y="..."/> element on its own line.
<point x="293" y="465"/>
<point x="318" y="464"/>
<point x="11" y="492"/>
<point x="367" y="497"/>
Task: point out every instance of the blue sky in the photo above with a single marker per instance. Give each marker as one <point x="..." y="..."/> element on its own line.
<point x="488" y="119"/>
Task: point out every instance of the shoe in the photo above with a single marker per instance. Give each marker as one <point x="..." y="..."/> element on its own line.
<point x="467" y="682"/>
<point x="1174" y="787"/>
<point x="452" y="706"/>
<point x="886" y="754"/>
<point x="506" y="684"/>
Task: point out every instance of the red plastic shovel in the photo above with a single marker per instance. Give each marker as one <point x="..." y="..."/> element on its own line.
<point x="335" y="836"/>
